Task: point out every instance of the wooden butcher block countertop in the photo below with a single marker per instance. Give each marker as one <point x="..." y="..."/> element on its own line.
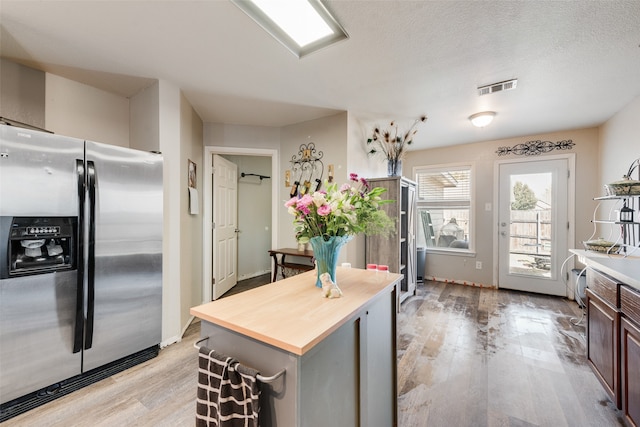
<point x="291" y="314"/>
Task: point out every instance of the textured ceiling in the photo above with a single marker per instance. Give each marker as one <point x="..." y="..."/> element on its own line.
<point x="577" y="63"/>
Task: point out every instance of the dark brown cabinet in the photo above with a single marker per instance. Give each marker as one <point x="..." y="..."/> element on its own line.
<point x="613" y="341"/>
<point x="630" y="354"/>
<point x="602" y="343"/>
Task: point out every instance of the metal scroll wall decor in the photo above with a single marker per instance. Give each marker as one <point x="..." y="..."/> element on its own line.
<point x="307" y="170"/>
<point x="534" y="148"/>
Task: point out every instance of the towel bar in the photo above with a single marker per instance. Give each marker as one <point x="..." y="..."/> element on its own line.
<point x="259" y="377"/>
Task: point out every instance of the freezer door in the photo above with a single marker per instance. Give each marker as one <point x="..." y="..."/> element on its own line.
<point x="38" y="173"/>
<point x="38" y="178"/>
<point x="36" y="332"/>
<point x="124" y="298"/>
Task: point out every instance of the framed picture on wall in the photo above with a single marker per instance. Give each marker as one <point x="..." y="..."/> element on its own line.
<point x="191" y="175"/>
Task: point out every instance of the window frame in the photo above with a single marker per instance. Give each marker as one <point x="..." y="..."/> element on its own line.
<point x="422" y="204"/>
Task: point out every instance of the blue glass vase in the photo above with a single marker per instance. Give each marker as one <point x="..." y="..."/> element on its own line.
<point x="394" y="167"/>
<point x="326" y="254"/>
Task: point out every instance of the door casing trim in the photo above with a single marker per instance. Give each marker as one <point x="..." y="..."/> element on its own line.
<point x="207" y="239"/>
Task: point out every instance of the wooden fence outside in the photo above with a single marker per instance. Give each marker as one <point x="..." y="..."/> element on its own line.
<point x="530" y="232"/>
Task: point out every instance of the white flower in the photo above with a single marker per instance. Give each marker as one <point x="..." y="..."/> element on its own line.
<point x="319" y="198"/>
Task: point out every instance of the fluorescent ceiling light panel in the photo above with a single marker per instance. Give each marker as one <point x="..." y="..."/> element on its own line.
<point x="297" y="18"/>
<point x="302" y="26"/>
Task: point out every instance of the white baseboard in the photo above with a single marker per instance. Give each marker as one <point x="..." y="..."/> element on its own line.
<point x="170" y="341"/>
<point x="252" y="275"/>
<point x="177" y="338"/>
<point x="459" y="282"/>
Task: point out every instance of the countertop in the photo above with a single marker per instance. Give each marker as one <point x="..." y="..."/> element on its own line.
<point x="626" y="270"/>
<point x="292" y="314"/>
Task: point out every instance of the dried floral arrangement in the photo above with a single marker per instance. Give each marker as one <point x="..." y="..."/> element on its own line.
<point x="391" y="143"/>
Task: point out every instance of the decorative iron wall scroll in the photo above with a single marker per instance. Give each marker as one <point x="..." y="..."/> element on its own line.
<point x="534" y="148"/>
<point x="307" y="170"/>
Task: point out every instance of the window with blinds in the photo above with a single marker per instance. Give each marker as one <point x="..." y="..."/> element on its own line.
<point x="444" y="206"/>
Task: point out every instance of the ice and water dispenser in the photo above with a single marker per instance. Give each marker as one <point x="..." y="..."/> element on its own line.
<point x="37" y="245"/>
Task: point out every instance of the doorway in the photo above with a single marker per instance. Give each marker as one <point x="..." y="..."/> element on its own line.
<point x="535" y="223"/>
<point x="210" y="254"/>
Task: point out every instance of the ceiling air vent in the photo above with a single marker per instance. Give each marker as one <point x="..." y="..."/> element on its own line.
<point x="497" y="87"/>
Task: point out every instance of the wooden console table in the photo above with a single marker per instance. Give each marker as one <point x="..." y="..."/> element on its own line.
<point x="282" y="264"/>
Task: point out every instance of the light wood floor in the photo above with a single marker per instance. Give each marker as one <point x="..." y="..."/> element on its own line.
<point x="467" y="357"/>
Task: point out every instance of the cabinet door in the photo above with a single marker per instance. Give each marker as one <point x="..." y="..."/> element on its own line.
<point x="378" y="369"/>
<point x="630" y="369"/>
<point x="602" y="344"/>
<point x="411" y="270"/>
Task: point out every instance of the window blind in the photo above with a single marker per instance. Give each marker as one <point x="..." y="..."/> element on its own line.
<point x="444" y="186"/>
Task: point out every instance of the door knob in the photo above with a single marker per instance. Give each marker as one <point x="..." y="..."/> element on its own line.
<point x="503" y="233"/>
<point x="504" y="224"/>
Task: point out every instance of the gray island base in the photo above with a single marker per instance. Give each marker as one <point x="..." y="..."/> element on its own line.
<point x="339" y="355"/>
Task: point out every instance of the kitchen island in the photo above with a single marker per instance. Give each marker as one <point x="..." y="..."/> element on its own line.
<point x="339" y="355"/>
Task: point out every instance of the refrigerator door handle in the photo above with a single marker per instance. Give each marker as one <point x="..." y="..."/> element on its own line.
<point x="78" y="333"/>
<point x="91" y="263"/>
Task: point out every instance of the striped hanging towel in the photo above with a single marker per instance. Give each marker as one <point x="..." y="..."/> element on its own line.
<point x="228" y="392"/>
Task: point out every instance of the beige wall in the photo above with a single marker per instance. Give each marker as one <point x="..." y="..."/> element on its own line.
<point x="22" y="94"/>
<point x="358" y="161"/>
<point x="619" y="147"/>
<point x="144" y="126"/>
<point x="84" y="112"/>
<point x="223" y="135"/>
<point x="483" y="156"/>
<point x="175" y="188"/>
<point x="620" y="143"/>
<point x="190" y="225"/>
<point x="329" y="134"/>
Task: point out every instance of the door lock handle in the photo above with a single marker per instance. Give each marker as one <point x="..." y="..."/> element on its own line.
<point x="503" y="233"/>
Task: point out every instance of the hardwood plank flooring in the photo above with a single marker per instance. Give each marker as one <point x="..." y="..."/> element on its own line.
<point x="247" y="284"/>
<point x="467" y="357"/>
<point x="158" y="392"/>
<point x="481" y="357"/>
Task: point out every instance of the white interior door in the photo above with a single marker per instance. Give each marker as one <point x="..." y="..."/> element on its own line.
<point x="225" y="226"/>
<point x="533" y="225"/>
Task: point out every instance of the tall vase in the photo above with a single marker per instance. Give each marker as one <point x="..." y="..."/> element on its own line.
<point x="394" y="167"/>
<point x="326" y="253"/>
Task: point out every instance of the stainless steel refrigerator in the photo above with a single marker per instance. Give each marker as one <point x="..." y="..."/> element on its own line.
<point x="80" y="263"/>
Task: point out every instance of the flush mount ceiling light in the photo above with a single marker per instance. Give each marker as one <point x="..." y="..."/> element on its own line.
<point x="482" y="119"/>
<point x="302" y="26"/>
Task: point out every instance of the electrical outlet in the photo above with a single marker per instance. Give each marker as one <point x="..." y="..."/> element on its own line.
<point x="478" y="265"/>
